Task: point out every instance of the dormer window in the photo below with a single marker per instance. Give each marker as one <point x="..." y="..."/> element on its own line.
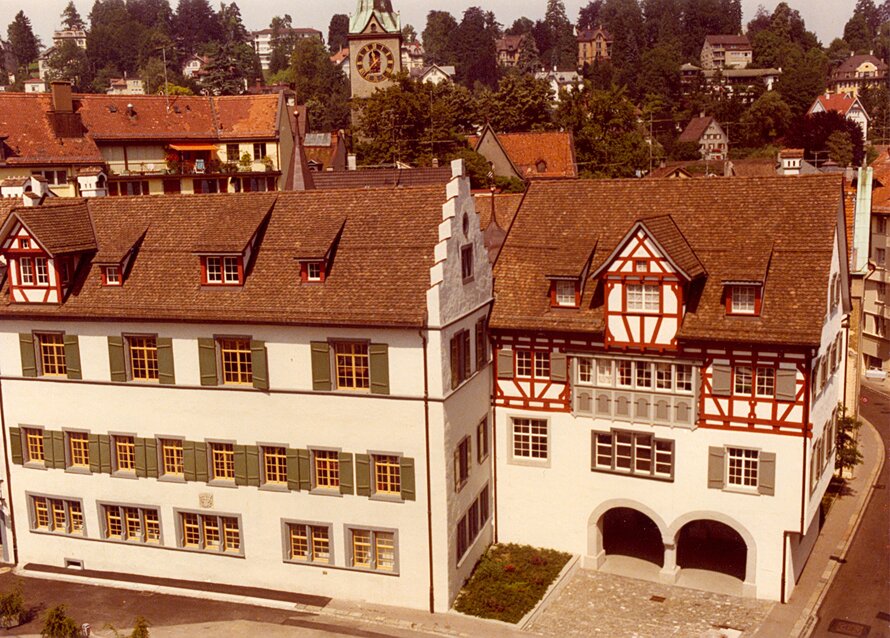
<point x="643" y="297"/>
<point x="312" y="271"/>
<point x="222" y="270"/>
<point x="564" y="293"/>
<point x="743" y="299"/>
<point x="111" y="276"/>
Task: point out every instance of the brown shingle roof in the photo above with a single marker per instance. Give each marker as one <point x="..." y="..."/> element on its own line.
<point x="734" y="226"/>
<point x="379" y="276"/>
<point x="505" y="207"/>
<point x="230" y="229"/>
<point x="728" y="40"/>
<point x="695" y="129"/>
<point x="850" y="64"/>
<point x="664" y="230"/>
<point x="61" y="227"/>
<point x="381" y="177"/>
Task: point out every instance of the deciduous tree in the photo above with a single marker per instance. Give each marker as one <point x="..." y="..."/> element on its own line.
<point x="438" y="38"/>
<point x="69" y="62"/>
<point x="320" y="85"/>
<point x="520" y="103"/>
<point x="475" y="48"/>
<point x="766" y="120"/>
<point x="338" y="32"/>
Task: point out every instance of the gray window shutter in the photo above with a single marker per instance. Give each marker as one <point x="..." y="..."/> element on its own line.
<point x="293" y="470"/>
<point x="166" y="372"/>
<point x="104" y="453"/>
<point x="406" y="475"/>
<point x="716" y="457"/>
<point x="259" y="365"/>
<point x="207" y="361"/>
<point x="305" y="471"/>
<point x="95" y="461"/>
<point x="321" y="365"/>
<point x="240" y="465"/>
<point x="58" y="445"/>
<point x="379" y="360"/>
<point x="558" y="371"/>
<point x="455" y="362"/>
<point x="363" y="474"/>
<point x="151" y="457"/>
<point x="201" y="472"/>
<point x="505" y="363"/>
<point x="347" y="483"/>
<point x="29" y="357"/>
<point x="139" y="445"/>
<point x="766" y="474"/>
<point x="786" y="384"/>
<point x="116" y="359"/>
<point x="721" y="379"/>
<point x="253" y="464"/>
<point x="188" y="461"/>
<point x="15" y="446"/>
<point x="72" y="357"/>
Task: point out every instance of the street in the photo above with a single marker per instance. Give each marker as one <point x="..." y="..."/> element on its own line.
<point x="858" y="602"/>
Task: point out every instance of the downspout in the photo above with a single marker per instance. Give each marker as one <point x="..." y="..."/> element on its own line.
<point x="7" y="462"/>
<point x="806" y="432"/>
<point x="494" y="442"/>
<point x="784" y="562"/>
<point x="426" y="438"/>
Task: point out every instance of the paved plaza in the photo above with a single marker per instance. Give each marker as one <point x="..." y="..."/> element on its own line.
<point x="598" y="604"/>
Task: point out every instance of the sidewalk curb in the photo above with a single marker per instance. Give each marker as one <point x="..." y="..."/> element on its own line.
<point x="806" y="624"/>
<point x="562" y="579"/>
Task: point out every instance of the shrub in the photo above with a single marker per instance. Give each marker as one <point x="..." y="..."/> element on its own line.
<point x="57" y="624"/>
<point x="509" y="581"/>
<point x="12" y="606"/>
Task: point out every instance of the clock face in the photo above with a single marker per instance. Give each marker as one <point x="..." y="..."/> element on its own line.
<point x="375" y="62"/>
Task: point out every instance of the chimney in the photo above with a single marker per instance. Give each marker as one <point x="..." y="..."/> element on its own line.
<point x="62" y="102"/>
<point x="131" y="111"/>
<point x="351" y="162"/>
<point x="435" y="162"/>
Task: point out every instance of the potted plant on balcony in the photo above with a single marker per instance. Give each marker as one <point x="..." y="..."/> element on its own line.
<point x="246" y="161"/>
<point x="267" y="162"/>
<point x="174" y="165"/>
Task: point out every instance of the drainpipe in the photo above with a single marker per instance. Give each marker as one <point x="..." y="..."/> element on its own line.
<point x="494" y="442"/>
<point x="426" y="438"/>
<point x="8" y="461"/>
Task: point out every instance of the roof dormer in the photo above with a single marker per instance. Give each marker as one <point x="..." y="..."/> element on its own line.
<point x="743" y="298"/>
<point x="565" y="292"/>
<point x="227" y="245"/>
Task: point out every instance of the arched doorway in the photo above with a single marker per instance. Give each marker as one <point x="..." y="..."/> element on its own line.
<point x="629" y="532"/>
<point x="712" y="546"/>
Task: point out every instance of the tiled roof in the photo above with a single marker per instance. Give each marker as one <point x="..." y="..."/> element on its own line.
<point x="230" y="229"/>
<point x="840" y="102"/>
<point x="728" y="40"/>
<point x="664" y="230"/>
<point x="782" y="227"/>
<point x="381" y="177"/>
<point x="587" y="35"/>
<point x="59" y="227"/>
<point x="379" y="274"/>
<point x="695" y="129"/>
<point x="509" y="43"/>
<point x="752" y="167"/>
<point x="850" y="64"/>
<point x="556" y="149"/>
<point x="505" y="207"/>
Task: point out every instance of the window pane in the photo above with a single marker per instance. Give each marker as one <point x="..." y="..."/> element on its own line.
<point x="361" y="548"/>
<point x="236" y="361"/>
<point x="684" y="377"/>
<point x="644" y="374"/>
<point x="52" y="355"/>
<point x="523" y="363"/>
<point x="387" y="475"/>
<point x="327" y="468"/>
<point x="585" y="370"/>
<point x="275" y="465"/>
<point x="663" y="376"/>
<point x="604" y="372"/>
<point x="352" y="365"/>
<point x="766" y="382"/>
<point x="542" y="365"/>
<point x="223" y="461"/>
<point x="643" y="453"/>
<point x="386" y="551"/>
<point x="299" y="542"/>
<point x="143" y="358"/>
<point x="742" y="380"/>
<point x="625" y="372"/>
<point x="623" y="451"/>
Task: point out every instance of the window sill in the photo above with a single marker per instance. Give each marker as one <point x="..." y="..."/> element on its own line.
<point x="651" y="477"/>
<point x="544" y="463"/>
<point x="124" y="474"/>
<point x="737" y="489"/>
<point x="274" y="488"/>
<point x="210" y="552"/>
<point x="222" y="483"/>
<point x="310" y="563"/>
<point x="35" y="465"/>
<point x="370" y="570"/>
<point x="326" y="491"/>
<point x="78" y="470"/>
<point x="171" y="479"/>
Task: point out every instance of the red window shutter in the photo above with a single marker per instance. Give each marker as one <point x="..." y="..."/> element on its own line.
<point x="552" y="294"/>
<point x="727" y="297"/>
<point x="577" y="294"/>
<point x="304" y="272"/>
<point x="758" y="296"/>
<point x="203" y="270"/>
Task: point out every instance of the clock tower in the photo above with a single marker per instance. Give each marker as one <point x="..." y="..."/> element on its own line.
<point x="375" y="42"/>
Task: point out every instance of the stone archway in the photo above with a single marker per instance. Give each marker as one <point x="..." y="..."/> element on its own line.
<point x="625" y="527"/>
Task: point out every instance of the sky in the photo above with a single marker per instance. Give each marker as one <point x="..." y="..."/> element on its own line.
<point x="825" y="17"/>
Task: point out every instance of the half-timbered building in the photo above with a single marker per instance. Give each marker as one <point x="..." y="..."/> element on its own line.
<point x="668" y="370"/>
<point x="285" y="391"/>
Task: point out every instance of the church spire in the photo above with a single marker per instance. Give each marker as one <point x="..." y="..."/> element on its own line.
<point x="379" y="9"/>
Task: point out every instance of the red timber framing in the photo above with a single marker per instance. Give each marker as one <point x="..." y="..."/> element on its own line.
<point x="29" y="269"/>
<point x="789" y="418"/>
<point x="639" y="264"/>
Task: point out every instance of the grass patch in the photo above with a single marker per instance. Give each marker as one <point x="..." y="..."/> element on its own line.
<point x="509" y="581"/>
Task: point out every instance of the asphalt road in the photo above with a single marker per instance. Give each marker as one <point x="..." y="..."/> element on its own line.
<point x="861" y="589"/>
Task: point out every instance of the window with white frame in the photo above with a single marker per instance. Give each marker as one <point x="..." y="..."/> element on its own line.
<point x="657" y="376"/>
<point x="565" y="292"/>
<point x="26" y="271"/>
<point x="742" y="467"/>
<point x="743" y="299"/>
<point x="743" y="378"/>
<point x="112" y="276"/>
<point x="222" y="270"/>
<point x="532" y="363"/>
<point x="643" y="297"/>
<point x="636" y="453"/>
<point x="530" y="439"/>
<point x="765" y="381"/>
<point x="40" y="271"/>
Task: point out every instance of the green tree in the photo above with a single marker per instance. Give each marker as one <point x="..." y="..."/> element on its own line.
<point x="232" y="29"/>
<point x="232" y="67"/>
<point x="475" y="48"/>
<point x="338" y="32"/>
<point x="321" y="86"/>
<point x="438" y="38"/>
<point x="706" y="17"/>
<point x="529" y="60"/>
<point x="113" y="37"/>
<point x="837" y="52"/>
<point x="840" y="148"/>
<point x="57" y="624"/>
<point x="766" y="120"/>
<point x="562" y="52"/>
<point x="803" y="79"/>
<point x="760" y="22"/>
<point x="152" y="14"/>
<point x="520" y="103"/>
<point x="847" y="441"/>
<point x="409" y="33"/>
<point x="876" y="102"/>
<point x="857" y="33"/>
<point x="71" y="19"/>
<point x="811" y="133"/>
<point x="660" y="73"/>
<point x="589" y="15"/>
<point x="195" y="23"/>
<point x="662" y="20"/>
<point x="609" y="141"/>
<point x="521" y="26"/>
<point x="624" y="19"/>
<point x="21" y="41"/>
<point x="67" y="61"/>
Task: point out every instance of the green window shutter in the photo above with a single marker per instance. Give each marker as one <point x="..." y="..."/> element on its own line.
<point x="72" y="357"/>
<point x="558" y="367"/>
<point x="117" y="359"/>
<point x="240" y="465"/>
<point x="767" y="474"/>
<point x="406" y="475"/>
<point x="15" y="446"/>
<point x="104" y="454"/>
<point x="293" y="470"/>
<point x="141" y="470"/>
<point x="455" y="362"/>
<point x="505" y="363"/>
<point x="29" y="357"/>
<point x="58" y="444"/>
<point x="95" y="461"/>
<point x="721" y="379"/>
<point x="201" y="472"/>
<point x="259" y="365"/>
<point x="188" y="461"/>
<point x="321" y="365"/>
<point x="166" y="375"/>
<point x="347" y="483"/>
<point x="379" y="359"/>
<point x="253" y="463"/>
<point x="151" y="457"/>
<point x="207" y="361"/>
<point x="304" y="469"/>
<point x="716" y="457"/>
<point x="363" y="474"/>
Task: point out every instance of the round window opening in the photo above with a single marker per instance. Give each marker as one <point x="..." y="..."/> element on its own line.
<point x="466" y="224"/>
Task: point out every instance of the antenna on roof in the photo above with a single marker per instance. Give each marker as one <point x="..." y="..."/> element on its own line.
<point x="166" y="91"/>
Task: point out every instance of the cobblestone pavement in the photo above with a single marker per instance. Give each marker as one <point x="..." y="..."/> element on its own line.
<point x="598" y="604"/>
